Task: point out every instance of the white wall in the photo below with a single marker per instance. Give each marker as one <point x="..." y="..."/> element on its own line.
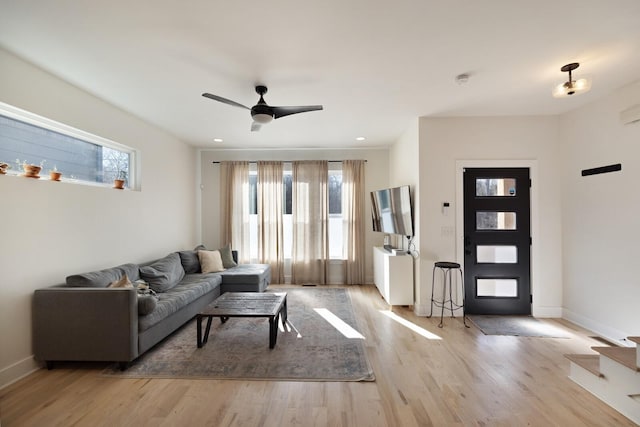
<point x="443" y="142"/>
<point x="50" y="230"/>
<point x="404" y="169"/>
<point x="376" y="177"/>
<point x="601" y="229"/>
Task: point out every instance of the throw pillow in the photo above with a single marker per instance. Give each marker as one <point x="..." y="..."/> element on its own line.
<point x="190" y="261"/>
<point x="227" y="257"/>
<point x="124" y="282"/>
<point x="146" y="304"/>
<point x="210" y="261"/>
<point x="164" y="273"/>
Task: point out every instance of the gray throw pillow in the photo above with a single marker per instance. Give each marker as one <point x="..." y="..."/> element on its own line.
<point x="227" y="257"/>
<point x="164" y="273"/>
<point x="146" y="304"/>
<point x="190" y="261"/>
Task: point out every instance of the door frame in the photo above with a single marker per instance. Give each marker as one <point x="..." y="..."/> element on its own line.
<point x="535" y="226"/>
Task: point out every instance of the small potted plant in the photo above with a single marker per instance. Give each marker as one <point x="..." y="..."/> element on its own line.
<point x="31" y="170"/>
<point x="121" y="178"/>
<point x="54" y="174"/>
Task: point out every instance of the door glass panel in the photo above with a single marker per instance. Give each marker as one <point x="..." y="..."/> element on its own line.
<point x="497" y="288"/>
<point x="495" y="187"/>
<point x="500" y="254"/>
<point x="495" y="220"/>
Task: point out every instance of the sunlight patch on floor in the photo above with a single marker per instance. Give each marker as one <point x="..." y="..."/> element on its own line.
<point x="288" y="327"/>
<point x="339" y="324"/>
<point x="415" y="328"/>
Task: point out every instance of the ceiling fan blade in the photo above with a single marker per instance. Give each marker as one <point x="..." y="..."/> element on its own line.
<point x="287" y="111"/>
<point x="225" y="100"/>
<point x="255" y="126"/>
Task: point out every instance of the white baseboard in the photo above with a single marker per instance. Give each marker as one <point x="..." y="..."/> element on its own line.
<point x="17" y="371"/>
<point x="615" y="335"/>
<point x="421" y="309"/>
<point x="549" y="312"/>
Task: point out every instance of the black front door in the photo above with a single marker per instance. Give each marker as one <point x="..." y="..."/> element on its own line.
<point x="497" y="241"/>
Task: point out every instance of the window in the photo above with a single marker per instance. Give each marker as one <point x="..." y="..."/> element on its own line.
<point x="335" y="210"/>
<point x="495" y="220"/>
<point x="335" y="192"/>
<point x="80" y="156"/>
<point x="495" y="187"/>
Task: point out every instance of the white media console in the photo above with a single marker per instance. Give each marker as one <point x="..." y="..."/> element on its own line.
<point x="393" y="276"/>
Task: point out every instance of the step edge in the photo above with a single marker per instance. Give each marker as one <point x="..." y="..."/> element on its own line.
<point x="586" y="362"/>
<point x="620" y="355"/>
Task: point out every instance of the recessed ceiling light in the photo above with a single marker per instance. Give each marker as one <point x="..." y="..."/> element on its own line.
<point x="462" y="78"/>
<point x="360" y="138"/>
<point x="217" y="139"/>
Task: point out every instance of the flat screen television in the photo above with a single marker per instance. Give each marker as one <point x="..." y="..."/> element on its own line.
<point x="391" y="211"/>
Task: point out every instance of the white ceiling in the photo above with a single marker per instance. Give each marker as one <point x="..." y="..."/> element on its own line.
<point x="375" y="65"/>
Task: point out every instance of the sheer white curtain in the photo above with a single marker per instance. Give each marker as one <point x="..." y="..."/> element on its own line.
<point x="310" y="217"/>
<point x="353" y="231"/>
<point x="270" y="220"/>
<point x="235" y="212"/>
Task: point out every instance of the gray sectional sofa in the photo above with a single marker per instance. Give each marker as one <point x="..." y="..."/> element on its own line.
<point x="86" y="320"/>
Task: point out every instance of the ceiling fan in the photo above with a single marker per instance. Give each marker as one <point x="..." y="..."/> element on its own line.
<point x="263" y="113"/>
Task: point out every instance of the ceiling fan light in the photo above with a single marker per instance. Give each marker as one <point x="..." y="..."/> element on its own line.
<point x="262" y="118"/>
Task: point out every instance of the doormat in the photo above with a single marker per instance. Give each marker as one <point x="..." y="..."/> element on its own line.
<point x="522" y="326"/>
<point x="311" y="346"/>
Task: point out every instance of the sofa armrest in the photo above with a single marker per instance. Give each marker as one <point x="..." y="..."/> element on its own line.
<point x="85" y="324"/>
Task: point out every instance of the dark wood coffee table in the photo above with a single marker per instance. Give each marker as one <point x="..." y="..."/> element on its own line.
<point x="245" y="304"/>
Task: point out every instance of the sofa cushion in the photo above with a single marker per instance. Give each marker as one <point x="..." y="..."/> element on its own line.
<point x="210" y="261"/>
<point x="251" y="274"/>
<point x="227" y="257"/>
<point x="164" y="273"/>
<point x="192" y="287"/>
<point x="190" y="261"/>
<point x="131" y="270"/>
<point x="146" y="297"/>
<point x="146" y="304"/>
<point x="102" y="278"/>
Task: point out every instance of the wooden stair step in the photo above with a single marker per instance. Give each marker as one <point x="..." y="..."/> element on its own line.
<point x="590" y="362"/>
<point x="626" y="356"/>
<point x="634" y="339"/>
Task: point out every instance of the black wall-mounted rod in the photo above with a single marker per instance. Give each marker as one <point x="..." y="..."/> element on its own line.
<point x="602" y="169"/>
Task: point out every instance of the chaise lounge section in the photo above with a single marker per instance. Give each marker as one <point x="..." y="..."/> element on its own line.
<point x="108" y="315"/>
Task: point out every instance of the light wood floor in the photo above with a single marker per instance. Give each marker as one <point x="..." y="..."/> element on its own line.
<point x="463" y="378"/>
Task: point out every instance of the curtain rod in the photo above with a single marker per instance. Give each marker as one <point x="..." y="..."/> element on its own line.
<point x="289" y="161"/>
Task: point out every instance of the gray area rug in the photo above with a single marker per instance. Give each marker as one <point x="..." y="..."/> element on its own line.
<point x="523" y="326"/>
<point x="308" y="349"/>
